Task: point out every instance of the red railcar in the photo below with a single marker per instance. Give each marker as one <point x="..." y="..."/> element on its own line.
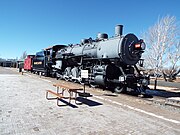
<point x="28" y="62"/>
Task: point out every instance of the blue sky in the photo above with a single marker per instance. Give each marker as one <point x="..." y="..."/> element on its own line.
<point x="31" y="25"/>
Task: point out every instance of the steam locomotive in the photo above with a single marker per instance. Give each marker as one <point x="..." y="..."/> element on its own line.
<point x="111" y="62"/>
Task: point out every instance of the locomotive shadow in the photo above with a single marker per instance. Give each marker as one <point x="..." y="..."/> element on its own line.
<point x="162" y="93"/>
<point x="129" y="93"/>
<point x="149" y="93"/>
<point x="137" y="94"/>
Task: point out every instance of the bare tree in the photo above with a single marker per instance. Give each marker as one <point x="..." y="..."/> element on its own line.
<point x="24" y="55"/>
<point x="163" y="45"/>
<point x="174" y="59"/>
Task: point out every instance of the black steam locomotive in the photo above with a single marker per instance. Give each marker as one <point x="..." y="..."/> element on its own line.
<point x="111" y="62"/>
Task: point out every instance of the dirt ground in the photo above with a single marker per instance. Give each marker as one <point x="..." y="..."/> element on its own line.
<point x="24" y="110"/>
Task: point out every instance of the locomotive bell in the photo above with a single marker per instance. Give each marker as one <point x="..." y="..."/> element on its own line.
<point x="118" y="30"/>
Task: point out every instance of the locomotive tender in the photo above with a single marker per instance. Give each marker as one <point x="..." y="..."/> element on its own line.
<point x="111" y="62"/>
<point x="43" y="60"/>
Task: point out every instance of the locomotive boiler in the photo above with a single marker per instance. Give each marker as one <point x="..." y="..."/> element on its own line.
<point x="111" y="62"/>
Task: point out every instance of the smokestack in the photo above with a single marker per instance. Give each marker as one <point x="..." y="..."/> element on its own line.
<point x="118" y="30"/>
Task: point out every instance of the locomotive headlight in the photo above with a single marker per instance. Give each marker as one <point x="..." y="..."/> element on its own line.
<point x="143" y="46"/>
<point x="138" y="46"/>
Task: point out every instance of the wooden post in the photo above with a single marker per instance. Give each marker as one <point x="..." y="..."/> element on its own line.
<point x="155" y="83"/>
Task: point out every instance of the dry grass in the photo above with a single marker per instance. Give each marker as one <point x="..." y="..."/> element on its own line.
<point x="177" y="79"/>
